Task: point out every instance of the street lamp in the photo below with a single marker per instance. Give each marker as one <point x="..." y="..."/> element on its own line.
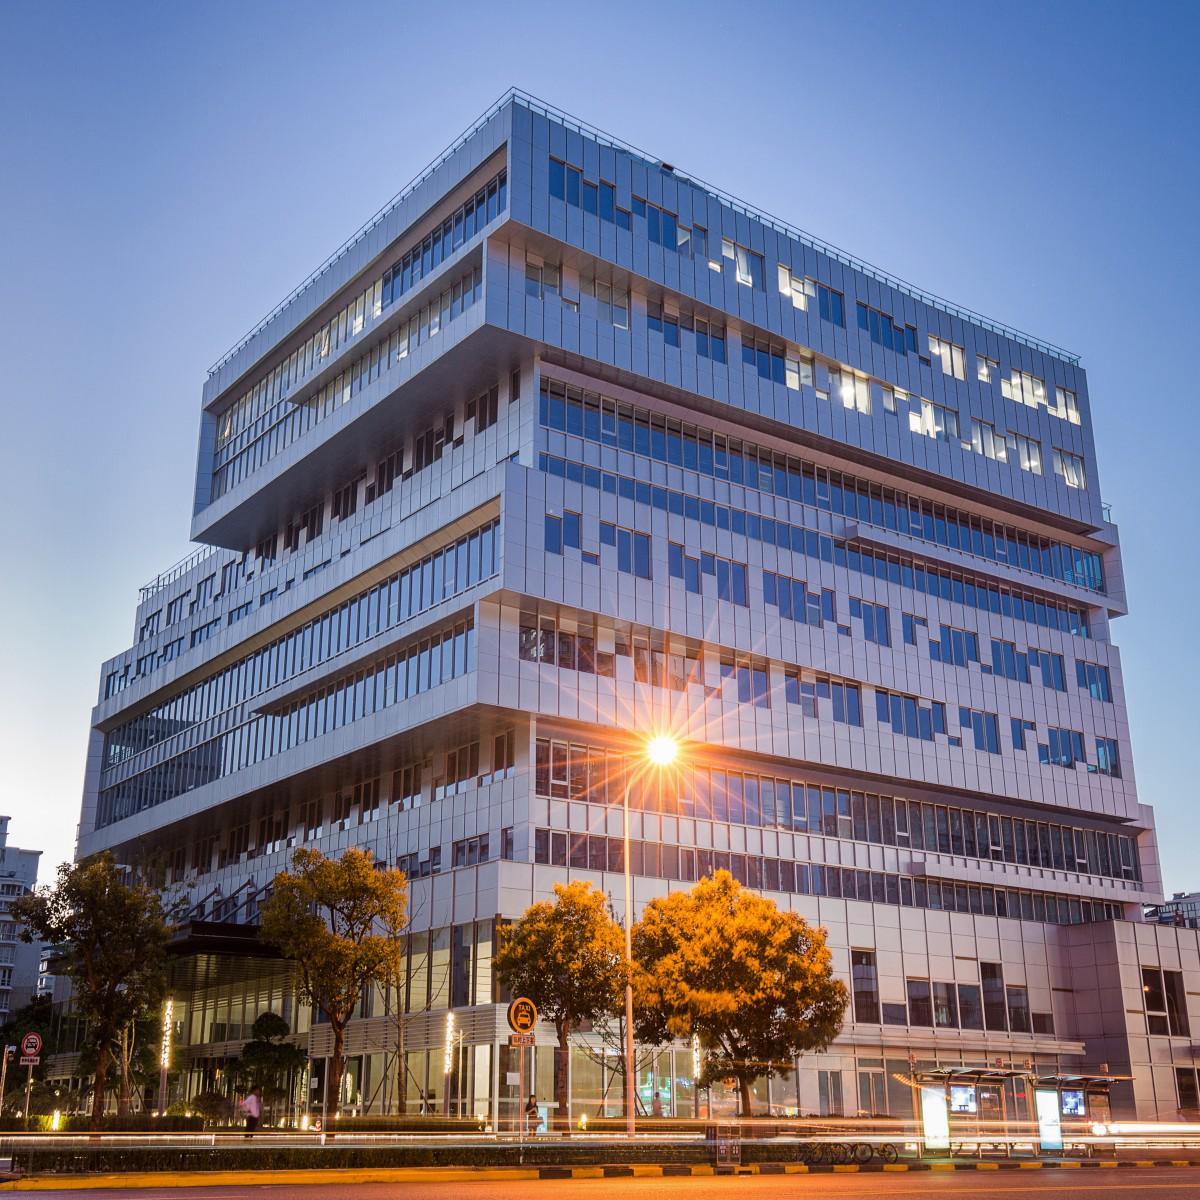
<point x="660" y="751"/>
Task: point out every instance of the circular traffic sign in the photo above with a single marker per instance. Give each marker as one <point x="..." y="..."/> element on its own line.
<point x="31" y="1045"/>
<point x="522" y="1015"/>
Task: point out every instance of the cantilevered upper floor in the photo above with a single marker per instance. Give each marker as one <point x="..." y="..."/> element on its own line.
<point x="644" y="273"/>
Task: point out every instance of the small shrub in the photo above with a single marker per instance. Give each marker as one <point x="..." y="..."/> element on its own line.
<point x="213" y="1106"/>
<point x="410" y="1123"/>
<point x="45" y="1159"/>
<point x="38" y="1123"/>
<point x="135" y="1123"/>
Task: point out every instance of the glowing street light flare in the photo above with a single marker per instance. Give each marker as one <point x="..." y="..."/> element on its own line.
<point x="662" y="750"/>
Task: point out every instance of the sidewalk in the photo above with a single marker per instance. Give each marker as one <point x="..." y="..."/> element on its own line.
<point x="181" y="1179"/>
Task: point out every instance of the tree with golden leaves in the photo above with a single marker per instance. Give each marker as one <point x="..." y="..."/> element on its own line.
<point x="755" y="983"/>
<point x="567" y="955"/>
<point x="340" y="920"/>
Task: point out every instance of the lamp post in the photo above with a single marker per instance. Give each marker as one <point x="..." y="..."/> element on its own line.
<point x="660" y="751"/>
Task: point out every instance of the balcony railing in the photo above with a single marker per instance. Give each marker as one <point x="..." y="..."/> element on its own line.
<point x="355" y="238"/>
<point x="780" y="226"/>
<point x="178" y="571"/>
<point x="757" y="214"/>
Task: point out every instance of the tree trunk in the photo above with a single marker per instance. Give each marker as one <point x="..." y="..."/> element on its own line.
<point x="744" y="1087"/>
<point x="562" y="1083"/>
<point x="338" y="1066"/>
<point x="125" y="1049"/>
<point x="123" y="1096"/>
<point x="402" y="1062"/>
<point x="98" y="1091"/>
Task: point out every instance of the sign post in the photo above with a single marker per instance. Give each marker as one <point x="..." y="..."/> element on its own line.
<point x="522" y="1019"/>
<point x="31" y="1046"/>
<point x="912" y="1082"/>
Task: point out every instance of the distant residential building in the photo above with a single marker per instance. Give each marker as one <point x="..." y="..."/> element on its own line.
<point x="1182" y="911"/>
<point x="47" y="970"/>
<point x="19" y="961"/>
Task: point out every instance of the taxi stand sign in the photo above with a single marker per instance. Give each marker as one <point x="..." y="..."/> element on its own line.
<point x="31" y="1046"/>
<point x="522" y="1015"/>
<point x="522" y="1020"/>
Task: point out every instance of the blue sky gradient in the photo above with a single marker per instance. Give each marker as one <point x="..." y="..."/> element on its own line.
<point x="170" y="171"/>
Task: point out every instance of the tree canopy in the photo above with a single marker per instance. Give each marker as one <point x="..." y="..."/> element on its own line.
<point x="753" y="982"/>
<point x="341" y="921"/>
<point x="112" y="930"/>
<point x="567" y="955"/>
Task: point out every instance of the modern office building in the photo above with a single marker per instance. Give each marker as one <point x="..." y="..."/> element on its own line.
<point x="19" y="961"/>
<point x="1183" y="909"/>
<point x="564" y="447"/>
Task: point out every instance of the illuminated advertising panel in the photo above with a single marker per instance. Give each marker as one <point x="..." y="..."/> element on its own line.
<point x="935" y="1117"/>
<point x="1049" y="1119"/>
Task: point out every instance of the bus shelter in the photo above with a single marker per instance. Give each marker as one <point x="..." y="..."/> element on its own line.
<point x="967" y="1104"/>
<point x="1081" y="1100"/>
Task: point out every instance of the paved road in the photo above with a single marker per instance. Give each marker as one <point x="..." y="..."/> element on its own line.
<point x="1144" y="1184"/>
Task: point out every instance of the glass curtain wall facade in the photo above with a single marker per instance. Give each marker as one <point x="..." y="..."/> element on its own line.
<point x="564" y="446"/>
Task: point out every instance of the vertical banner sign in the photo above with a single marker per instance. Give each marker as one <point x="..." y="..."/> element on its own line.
<point x="935" y="1117"/>
<point x="164" y="1053"/>
<point x="1049" y="1119"/>
<point x="447" y="1063"/>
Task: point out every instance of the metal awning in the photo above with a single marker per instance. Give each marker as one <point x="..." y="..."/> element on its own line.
<point x="969" y="1075"/>
<point x="1078" y="1081"/>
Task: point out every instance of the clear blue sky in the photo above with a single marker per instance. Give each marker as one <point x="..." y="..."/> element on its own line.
<point x="169" y="171"/>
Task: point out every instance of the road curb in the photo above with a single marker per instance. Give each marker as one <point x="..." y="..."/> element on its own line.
<point x="184" y="1179"/>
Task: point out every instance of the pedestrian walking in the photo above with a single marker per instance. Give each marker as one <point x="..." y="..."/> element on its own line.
<point x="252" y="1107"/>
